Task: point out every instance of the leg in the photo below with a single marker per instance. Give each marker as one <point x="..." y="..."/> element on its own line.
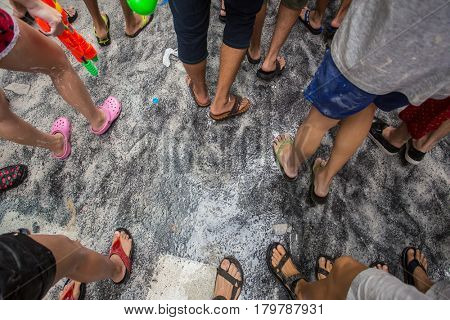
<point x="340" y="15"/>
<point x="397" y="136"/>
<point x="99" y="23"/>
<point x="49" y="58"/>
<point x="192" y="32"/>
<point x="351" y="134"/>
<point x="316" y="15"/>
<point x="307" y="140"/>
<point x="133" y="21"/>
<point x="255" y="43"/>
<point x="335" y="285"/>
<point x="427" y="142"/>
<point x="15" y="129"/>
<point x="81" y="264"/>
<point x="19" y="10"/>
<point x="285" y="21"/>
<point x="236" y="40"/>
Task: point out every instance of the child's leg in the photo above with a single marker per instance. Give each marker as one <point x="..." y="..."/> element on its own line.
<point x="34" y="52"/>
<point x="427" y="142"/>
<point x="99" y="24"/>
<point x="352" y="132"/>
<point x="15" y="129"/>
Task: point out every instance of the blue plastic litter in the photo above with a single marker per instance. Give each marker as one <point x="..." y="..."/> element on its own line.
<point x="155" y="100"/>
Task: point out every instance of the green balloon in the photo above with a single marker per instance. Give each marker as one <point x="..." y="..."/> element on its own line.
<point x="143" y="7"/>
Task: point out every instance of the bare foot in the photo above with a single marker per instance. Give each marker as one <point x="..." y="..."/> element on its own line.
<point x="421" y="280"/>
<point x="285" y="154"/>
<point x="387" y="132"/>
<point x="289" y="269"/>
<point x="136" y="24"/>
<point x="325" y="264"/>
<point x="321" y="186"/>
<point x="315" y="20"/>
<point x="269" y="66"/>
<point x="223" y="287"/>
<point x="126" y="243"/>
<point x="382" y="267"/>
<point x="72" y="285"/>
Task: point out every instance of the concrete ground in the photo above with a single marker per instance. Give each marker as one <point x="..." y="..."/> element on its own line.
<point x="192" y="191"/>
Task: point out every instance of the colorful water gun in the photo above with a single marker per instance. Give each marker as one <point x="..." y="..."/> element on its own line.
<point x="82" y="50"/>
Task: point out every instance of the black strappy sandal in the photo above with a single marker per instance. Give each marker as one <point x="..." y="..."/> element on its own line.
<point x="320" y="270"/>
<point x="12" y="176"/>
<point x="251" y="60"/>
<point x="307" y="24"/>
<point x="270" y="75"/>
<point x="288" y="283"/>
<point x="408" y="268"/>
<point x="237" y="284"/>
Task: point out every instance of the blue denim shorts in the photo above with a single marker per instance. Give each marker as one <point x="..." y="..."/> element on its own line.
<point x="337" y="98"/>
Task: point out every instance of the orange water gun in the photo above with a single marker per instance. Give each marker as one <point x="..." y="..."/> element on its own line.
<point x="82" y="50"/>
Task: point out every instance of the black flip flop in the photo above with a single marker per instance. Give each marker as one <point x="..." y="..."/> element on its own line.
<point x="287" y="282"/>
<point x="312" y="194"/>
<point x="70" y="18"/>
<point x="269" y="75"/>
<point x="408" y="268"/>
<point x="321" y="270"/>
<point x="222" y="18"/>
<point x="82" y="290"/>
<point x="275" y="155"/>
<point x="306" y="23"/>
<point x="107" y="41"/>
<point x="237" y="284"/>
<point x="331" y="30"/>
<point x="251" y="60"/>
<point x="12" y="176"/>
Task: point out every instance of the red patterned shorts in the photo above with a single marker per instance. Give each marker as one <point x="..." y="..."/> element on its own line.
<point x="9" y="31"/>
<point x="426" y="118"/>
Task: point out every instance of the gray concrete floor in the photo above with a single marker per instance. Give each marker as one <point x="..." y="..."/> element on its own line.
<point x="198" y="190"/>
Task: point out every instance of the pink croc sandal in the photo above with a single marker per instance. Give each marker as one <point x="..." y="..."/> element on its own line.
<point x="112" y="108"/>
<point x="62" y="125"/>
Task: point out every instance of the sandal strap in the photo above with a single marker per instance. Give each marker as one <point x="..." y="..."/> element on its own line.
<point x="219" y="298"/>
<point x="116" y="249"/>
<point x="224" y="274"/>
<point x="236" y="105"/>
<point x="412" y="265"/>
<point x="280" y="266"/>
<point x="323" y="271"/>
<point x="292" y="281"/>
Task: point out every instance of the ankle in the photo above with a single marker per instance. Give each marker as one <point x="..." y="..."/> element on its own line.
<point x="57" y="145"/>
<point x="117" y="269"/>
<point x="99" y="119"/>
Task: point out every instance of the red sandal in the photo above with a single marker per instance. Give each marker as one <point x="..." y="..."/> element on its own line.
<point x="12" y="176"/>
<point x="69" y="293"/>
<point x="116" y="249"/>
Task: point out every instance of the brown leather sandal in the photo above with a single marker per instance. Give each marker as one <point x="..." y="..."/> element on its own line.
<point x="239" y="107"/>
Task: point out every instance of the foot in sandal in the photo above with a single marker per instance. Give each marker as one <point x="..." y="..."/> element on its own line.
<point x="415" y="269"/>
<point x="283" y="146"/>
<point x="229" y="280"/>
<point x="120" y="255"/>
<point x="324" y="265"/>
<point x="235" y="106"/>
<point x="279" y="262"/>
<point x="73" y="290"/>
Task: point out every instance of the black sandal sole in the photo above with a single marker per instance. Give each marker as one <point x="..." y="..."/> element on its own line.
<point x="251" y="60"/>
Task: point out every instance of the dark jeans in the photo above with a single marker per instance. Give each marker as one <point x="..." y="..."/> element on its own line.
<point x="191" y="22"/>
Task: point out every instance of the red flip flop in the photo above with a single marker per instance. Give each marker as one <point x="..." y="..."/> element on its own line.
<point x="69" y="293"/>
<point x="116" y="249"/>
